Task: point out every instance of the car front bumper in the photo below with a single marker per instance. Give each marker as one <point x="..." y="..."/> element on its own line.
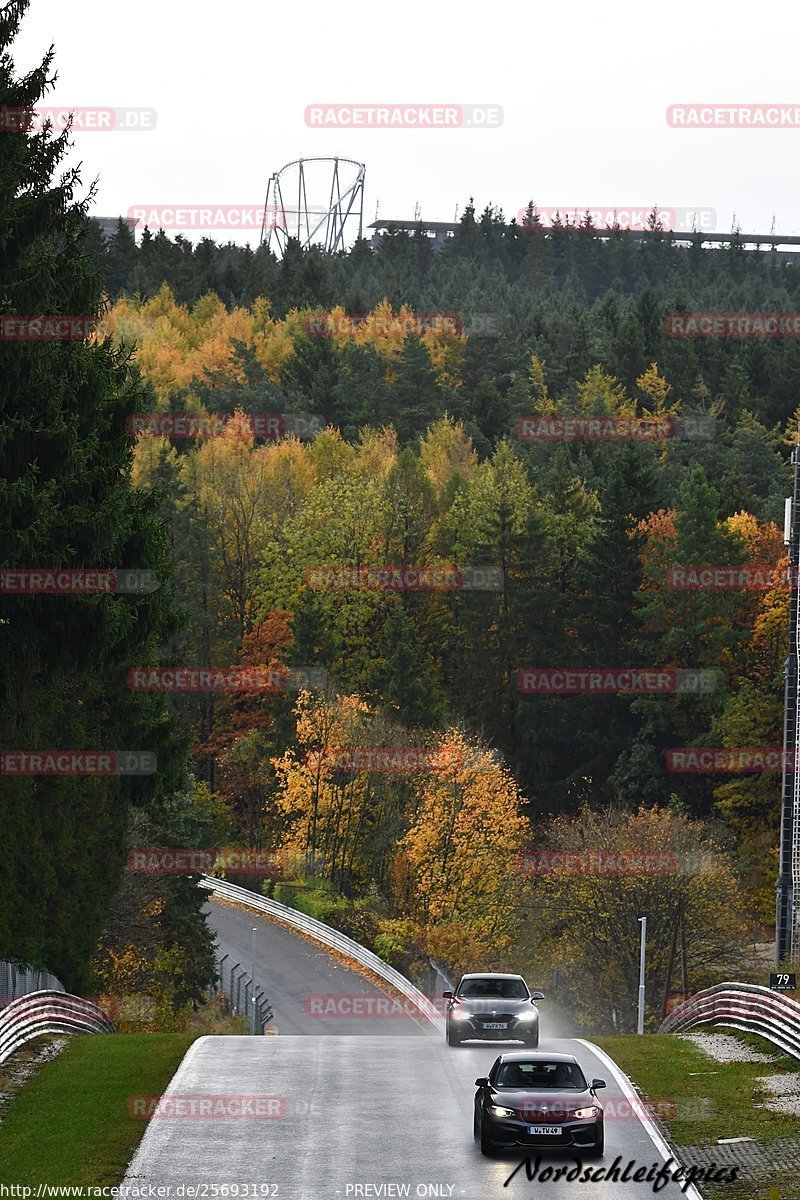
<point x="573" y="1135"/>
<point x="515" y="1031"/>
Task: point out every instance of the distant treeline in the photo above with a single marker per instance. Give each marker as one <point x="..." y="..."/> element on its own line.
<point x="571" y="298"/>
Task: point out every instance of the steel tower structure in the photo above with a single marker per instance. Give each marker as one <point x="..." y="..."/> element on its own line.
<point x="788" y="885"/>
<point x="318" y="201"/>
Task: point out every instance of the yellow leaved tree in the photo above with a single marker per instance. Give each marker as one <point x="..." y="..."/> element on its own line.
<point x="466" y="834"/>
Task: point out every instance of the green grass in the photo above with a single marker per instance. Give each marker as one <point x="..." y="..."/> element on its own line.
<point x="69" y="1123"/>
<point x="716" y="1102"/>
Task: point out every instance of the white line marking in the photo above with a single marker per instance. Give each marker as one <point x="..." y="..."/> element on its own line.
<point x="631" y="1094"/>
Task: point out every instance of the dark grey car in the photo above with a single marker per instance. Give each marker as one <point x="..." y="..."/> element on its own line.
<point x="541" y="1100"/>
<point x="492" y="1007"/>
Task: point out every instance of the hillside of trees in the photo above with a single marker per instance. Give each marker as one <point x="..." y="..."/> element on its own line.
<point x="412" y="458"/>
<point x="420" y="463"/>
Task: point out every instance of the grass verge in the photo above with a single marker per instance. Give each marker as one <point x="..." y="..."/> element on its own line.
<point x="70" y="1125"/>
<point x="711" y="1099"/>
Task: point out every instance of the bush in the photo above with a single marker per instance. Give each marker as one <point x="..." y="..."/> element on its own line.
<point x="317" y="898"/>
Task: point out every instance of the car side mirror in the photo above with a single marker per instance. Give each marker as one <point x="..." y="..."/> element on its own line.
<point x="482" y="1081"/>
<point x="447" y="995"/>
<point x="537" y="995"/>
<point x="598" y="1083"/>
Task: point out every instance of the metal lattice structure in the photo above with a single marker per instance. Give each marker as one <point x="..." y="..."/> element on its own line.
<point x="317" y="201"/>
<point x="788" y="888"/>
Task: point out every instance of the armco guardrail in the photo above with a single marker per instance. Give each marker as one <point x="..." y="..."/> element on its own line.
<point x="421" y="1004"/>
<point x="744" y="1006"/>
<point x="36" y="1013"/>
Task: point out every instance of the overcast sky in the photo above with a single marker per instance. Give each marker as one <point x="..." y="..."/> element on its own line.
<point x="584" y="89"/>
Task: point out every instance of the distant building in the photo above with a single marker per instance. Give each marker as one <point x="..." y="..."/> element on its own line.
<point x="437" y="231"/>
<point x="108" y="225"/>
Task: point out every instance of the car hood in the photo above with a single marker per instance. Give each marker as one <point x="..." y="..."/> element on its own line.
<point x="548" y="1104"/>
<point x="494" y="1005"/>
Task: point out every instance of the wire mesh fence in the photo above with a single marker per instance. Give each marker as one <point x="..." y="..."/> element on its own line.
<point x="235" y="987"/>
<point x="16" y="979"/>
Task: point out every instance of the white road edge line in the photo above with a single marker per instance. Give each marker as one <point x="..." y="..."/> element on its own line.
<point x="631" y="1094"/>
<point x="139" y="1151"/>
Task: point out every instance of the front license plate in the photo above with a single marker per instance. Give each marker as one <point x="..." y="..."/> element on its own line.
<point x="543" y="1130"/>
<point x="494" y="1025"/>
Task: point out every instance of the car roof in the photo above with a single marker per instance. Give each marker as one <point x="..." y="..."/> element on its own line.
<point x="536" y="1056"/>
<point x="489" y="975"/>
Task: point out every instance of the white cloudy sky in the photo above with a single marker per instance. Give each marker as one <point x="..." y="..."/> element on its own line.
<point x="584" y="88"/>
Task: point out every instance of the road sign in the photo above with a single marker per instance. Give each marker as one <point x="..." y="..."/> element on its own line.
<point x="783" y="983"/>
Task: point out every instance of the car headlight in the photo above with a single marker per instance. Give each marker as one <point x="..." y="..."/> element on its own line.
<point x="460" y="1015"/>
<point x="581" y="1113"/>
<point x="528" y="1016"/>
<point x="498" y="1111"/>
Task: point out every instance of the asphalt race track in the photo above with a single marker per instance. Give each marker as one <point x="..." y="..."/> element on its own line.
<point x="353" y="1109"/>
<point x="358" y="1113"/>
<point x="294" y="972"/>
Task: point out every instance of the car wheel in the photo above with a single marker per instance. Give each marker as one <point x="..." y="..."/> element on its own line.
<point x="487" y="1145"/>
<point x="476" y="1125"/>
<point x="452" y="1038"/>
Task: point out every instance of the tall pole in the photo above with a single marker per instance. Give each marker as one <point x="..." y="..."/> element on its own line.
<point x="253" y="978"/>
<point x="787" y="883"/>
<point x="642" y="946"/>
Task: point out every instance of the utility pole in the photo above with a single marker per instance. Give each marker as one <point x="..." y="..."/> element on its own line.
<point x="253" y="979"/>
<point x="642" y="946"/>
<point x="787" y="884"/>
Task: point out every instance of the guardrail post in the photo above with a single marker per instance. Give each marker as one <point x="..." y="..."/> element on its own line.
<point x="235" y="997"/>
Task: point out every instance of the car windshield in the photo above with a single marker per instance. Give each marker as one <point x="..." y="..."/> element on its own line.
<point x="505" y="989"/>
<point x="539" y="1074"/>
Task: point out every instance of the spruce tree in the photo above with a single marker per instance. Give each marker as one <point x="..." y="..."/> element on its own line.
<point x="66" y="500"/>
